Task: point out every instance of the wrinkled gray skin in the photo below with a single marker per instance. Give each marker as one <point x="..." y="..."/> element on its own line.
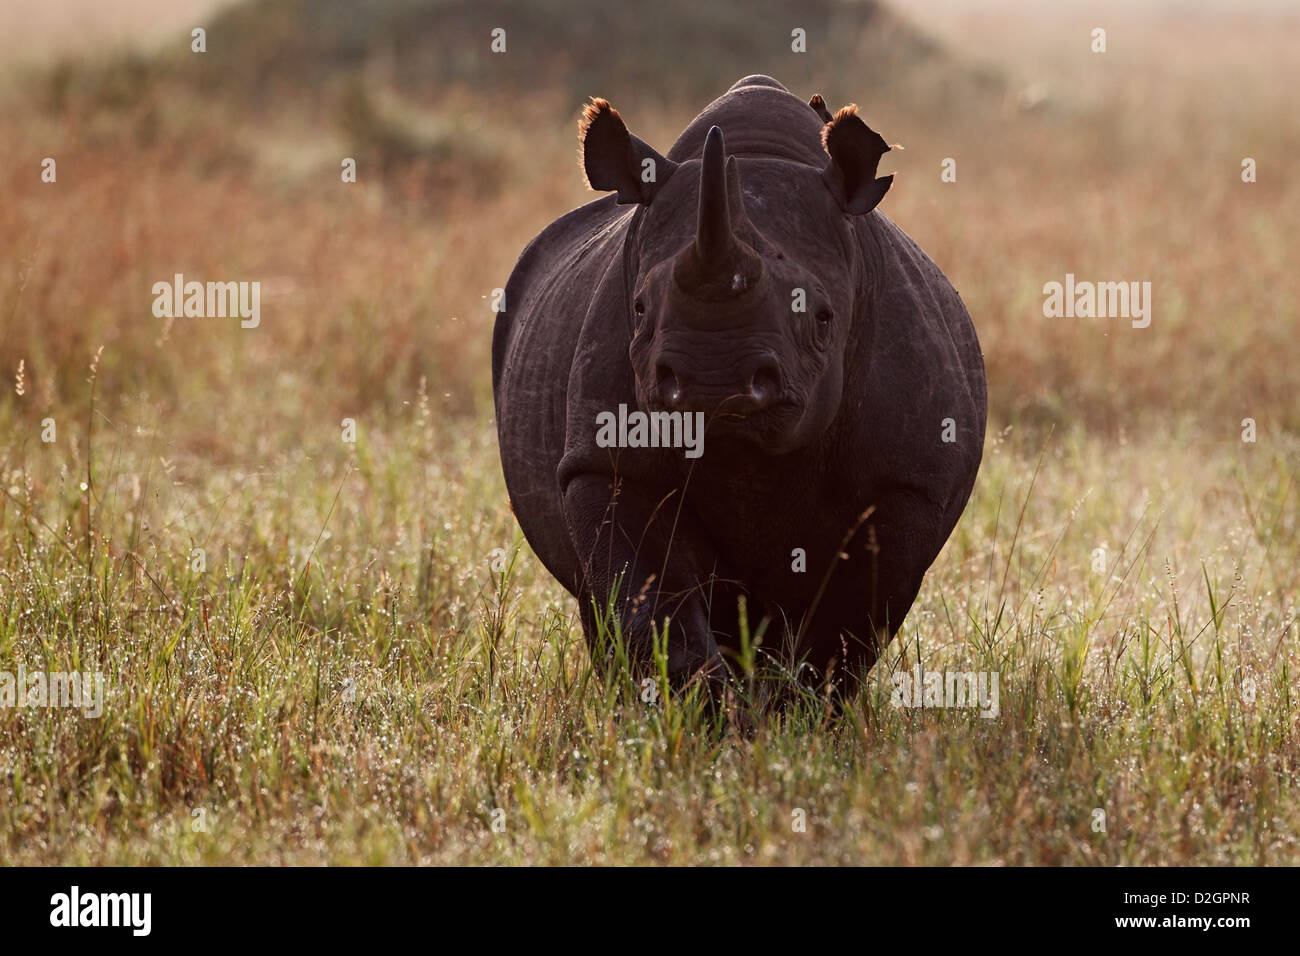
<point x="677" y="294"/>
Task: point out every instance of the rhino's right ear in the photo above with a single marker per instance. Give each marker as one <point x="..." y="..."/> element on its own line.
<point x="855" y="150"/>
<point x="614" y="159"/>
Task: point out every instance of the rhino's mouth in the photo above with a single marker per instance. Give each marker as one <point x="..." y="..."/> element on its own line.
<point x="764" y="416"/>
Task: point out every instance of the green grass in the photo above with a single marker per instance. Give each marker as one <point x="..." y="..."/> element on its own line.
<point x="351" y="681"/>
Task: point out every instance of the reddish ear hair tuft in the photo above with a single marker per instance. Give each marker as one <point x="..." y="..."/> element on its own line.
<point x="614" y="159"/>
<point x="819" y="107"/>
<point x="591" y="112"/>
<point x="598" y="114"/>
<point x="855" y="150"/>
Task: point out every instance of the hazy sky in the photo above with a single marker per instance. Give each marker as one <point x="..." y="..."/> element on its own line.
<point x="37" y="28"/>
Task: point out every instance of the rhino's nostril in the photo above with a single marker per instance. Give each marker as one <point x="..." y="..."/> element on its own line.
<point x="670" y="390"/>
<point x="765" y="383"/>
<point x="736" y="391"/>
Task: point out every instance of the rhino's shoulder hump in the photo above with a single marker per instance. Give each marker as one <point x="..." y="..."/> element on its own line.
<point x="759" y="117"/>
<point x="757" y="79"/>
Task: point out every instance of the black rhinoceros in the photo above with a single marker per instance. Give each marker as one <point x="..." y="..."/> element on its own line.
<point x="736" y="377"/>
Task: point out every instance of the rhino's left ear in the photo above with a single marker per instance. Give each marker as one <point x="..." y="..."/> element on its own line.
<point x="614" y="159"/>
<point x="855" y="150"/>
<point x="819" y="107"/>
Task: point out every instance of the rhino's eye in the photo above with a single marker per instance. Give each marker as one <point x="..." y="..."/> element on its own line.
<point x="639" y="306"/>
<point x="824" y="316"/>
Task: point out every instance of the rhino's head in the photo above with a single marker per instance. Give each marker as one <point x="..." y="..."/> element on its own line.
<point x="745" y="274"/>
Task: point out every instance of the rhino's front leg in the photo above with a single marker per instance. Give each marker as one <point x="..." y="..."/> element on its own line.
<point x="649" y="546"/>
<point x="871" y="585"/>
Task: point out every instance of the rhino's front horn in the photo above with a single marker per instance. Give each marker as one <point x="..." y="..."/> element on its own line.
<point x="719" y="263"/>
<point x="713" y="238"/>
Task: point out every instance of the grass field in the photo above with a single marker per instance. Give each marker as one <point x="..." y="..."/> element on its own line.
<point x="309" y="651"/>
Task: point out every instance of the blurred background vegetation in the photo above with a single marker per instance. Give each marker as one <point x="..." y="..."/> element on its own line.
<point x="1117" y="166"/>
<point x="226" y="164"/>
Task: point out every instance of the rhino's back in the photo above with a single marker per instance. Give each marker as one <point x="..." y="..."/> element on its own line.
<point x="547" y="300"/>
